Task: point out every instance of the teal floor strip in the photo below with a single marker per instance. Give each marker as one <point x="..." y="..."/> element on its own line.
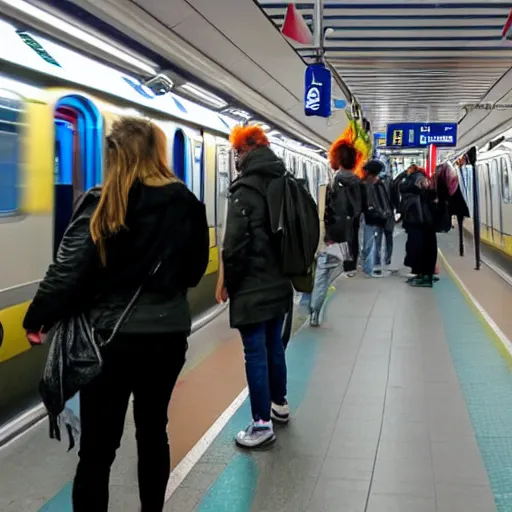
<point x="235" y="489"/>
<point x="486" y="382"/>
<point x="61" y="502"/>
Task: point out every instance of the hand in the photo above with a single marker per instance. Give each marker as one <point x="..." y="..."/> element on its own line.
<point x="35" y="338"/>
<point x="221" y="294"/>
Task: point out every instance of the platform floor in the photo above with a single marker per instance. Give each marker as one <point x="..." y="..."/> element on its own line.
<point x="401" y="401"/>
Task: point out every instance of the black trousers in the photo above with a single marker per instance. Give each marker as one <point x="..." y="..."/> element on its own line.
<point x="147" y="366"/>
<point x="351" y="265"/>
<point x="421" y="250"/>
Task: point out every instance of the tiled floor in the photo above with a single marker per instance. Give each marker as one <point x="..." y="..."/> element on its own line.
<point x="380" y="422"/>
<point x="386" y="396"/>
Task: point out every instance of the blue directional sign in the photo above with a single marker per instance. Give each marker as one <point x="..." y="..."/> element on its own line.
<point x="421" y="135"/>
<point x="379" y="140"/>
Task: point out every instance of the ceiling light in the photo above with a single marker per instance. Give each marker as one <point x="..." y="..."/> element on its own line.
<point x="238" y="113"/>
<point x="264" y="126"/>
<point x="274" y="133"/>
<point x="203" y="95"/>
<point x="77" y="33"/>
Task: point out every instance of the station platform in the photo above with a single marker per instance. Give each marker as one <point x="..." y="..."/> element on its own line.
<point x="401" y="401"/>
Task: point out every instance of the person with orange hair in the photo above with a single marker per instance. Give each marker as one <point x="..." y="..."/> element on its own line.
<point x="260" y="295"/>
<point x="344" y="159"/>
<point x="343" y="206"/>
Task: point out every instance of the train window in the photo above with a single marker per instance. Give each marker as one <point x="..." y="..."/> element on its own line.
<point x="505" y="179"/>
<point x="223" y="171"/>
<point x="11" y="109"/>
<point x="494" y="173"/>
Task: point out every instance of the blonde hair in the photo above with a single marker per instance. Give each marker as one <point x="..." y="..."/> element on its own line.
<point x="136" y="150"/>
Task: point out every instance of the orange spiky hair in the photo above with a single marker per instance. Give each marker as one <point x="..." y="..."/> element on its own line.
<point x="342" y="143"/>
<point x="244" y="138"/>
<point x="357" y="139"/>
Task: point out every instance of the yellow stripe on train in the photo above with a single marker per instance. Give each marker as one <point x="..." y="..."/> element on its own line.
<point x="15" y="341"/>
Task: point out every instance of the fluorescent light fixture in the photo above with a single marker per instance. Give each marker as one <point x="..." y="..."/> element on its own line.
<point x="62" y="25"/>
<point x="203" y="95"/>
<point x="236" y="112"/>
<point x="264" y="126"/>
<point x="274" y="133"/>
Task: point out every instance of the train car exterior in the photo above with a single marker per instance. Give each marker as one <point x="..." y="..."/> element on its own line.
<point x="51" y="150"/>
<point x="494" y="169"/>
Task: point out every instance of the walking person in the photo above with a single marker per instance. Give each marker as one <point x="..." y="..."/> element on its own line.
<point x="377" y="215"/>
<point x="260" y="295"/>
<point x="343" y="206"/>
<point x="143" y="214"/>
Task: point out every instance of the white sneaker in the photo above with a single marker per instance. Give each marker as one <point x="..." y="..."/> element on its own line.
<point x="257" y="434"/>
<point x="352" y="273"/>
<point x="280" y="413"/>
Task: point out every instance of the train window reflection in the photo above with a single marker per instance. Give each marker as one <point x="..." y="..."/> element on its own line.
<point x="11" y="108"/>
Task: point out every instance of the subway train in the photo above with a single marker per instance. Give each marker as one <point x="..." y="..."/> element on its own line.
<point x="55" y="108"/>
<point x="494" y="168"/>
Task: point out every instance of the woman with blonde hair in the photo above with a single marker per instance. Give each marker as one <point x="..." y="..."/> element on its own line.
<point x="143" y="218"/>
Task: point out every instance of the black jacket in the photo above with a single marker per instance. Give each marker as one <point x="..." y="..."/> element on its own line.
<point x="257" y="289"/>
<point x="377" y="203"/>
<point x="416" y="206"/>
<point x="77" y="281"/>
<point x="343" y="207"/>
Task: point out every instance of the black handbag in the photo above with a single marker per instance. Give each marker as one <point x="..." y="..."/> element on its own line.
<point x="74" y="359"/>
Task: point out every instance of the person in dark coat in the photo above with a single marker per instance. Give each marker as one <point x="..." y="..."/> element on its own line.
<point x="418" y="199"/>
<point x="143" y="214"/>
<point x="343" y="206"/>
<point x="260" y="295"/>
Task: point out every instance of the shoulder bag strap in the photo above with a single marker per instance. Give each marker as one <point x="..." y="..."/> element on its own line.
<point x="154" y="269"/>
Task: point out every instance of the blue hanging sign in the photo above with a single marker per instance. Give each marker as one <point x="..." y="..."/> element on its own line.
<point x="317" y="91"/>
<point x="421" y="135"/>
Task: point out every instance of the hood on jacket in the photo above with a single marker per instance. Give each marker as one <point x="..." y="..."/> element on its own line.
<point x="347" y="178"/>
<point x="143" y="200"/>
<point x="259" y="163"/>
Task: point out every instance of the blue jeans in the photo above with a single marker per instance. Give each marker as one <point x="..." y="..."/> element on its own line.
<point x="388" y="248"/>
<point x="328" y="268"/>
<point x="368" y="253"/>
<point x="265" y="366"/>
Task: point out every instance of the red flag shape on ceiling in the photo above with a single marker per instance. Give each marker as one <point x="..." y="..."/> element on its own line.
<point x="507" y="29"/>
<point x="295" y="27"/>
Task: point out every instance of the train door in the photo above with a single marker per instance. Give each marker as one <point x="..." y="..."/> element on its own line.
<point x="506" y="193"/>
<point x="78" y="157"/>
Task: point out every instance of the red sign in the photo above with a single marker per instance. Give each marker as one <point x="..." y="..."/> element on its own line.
<point x="507" y="29"/>
<point x="295" y="27"/>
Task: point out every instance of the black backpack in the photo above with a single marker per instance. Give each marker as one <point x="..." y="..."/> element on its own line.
<point x="344" y="205"/>
<point x="296" y="225"/>
<point x="378" y="204"/>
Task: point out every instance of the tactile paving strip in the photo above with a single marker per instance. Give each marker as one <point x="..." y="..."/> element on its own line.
<point x="486" y="382"/>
